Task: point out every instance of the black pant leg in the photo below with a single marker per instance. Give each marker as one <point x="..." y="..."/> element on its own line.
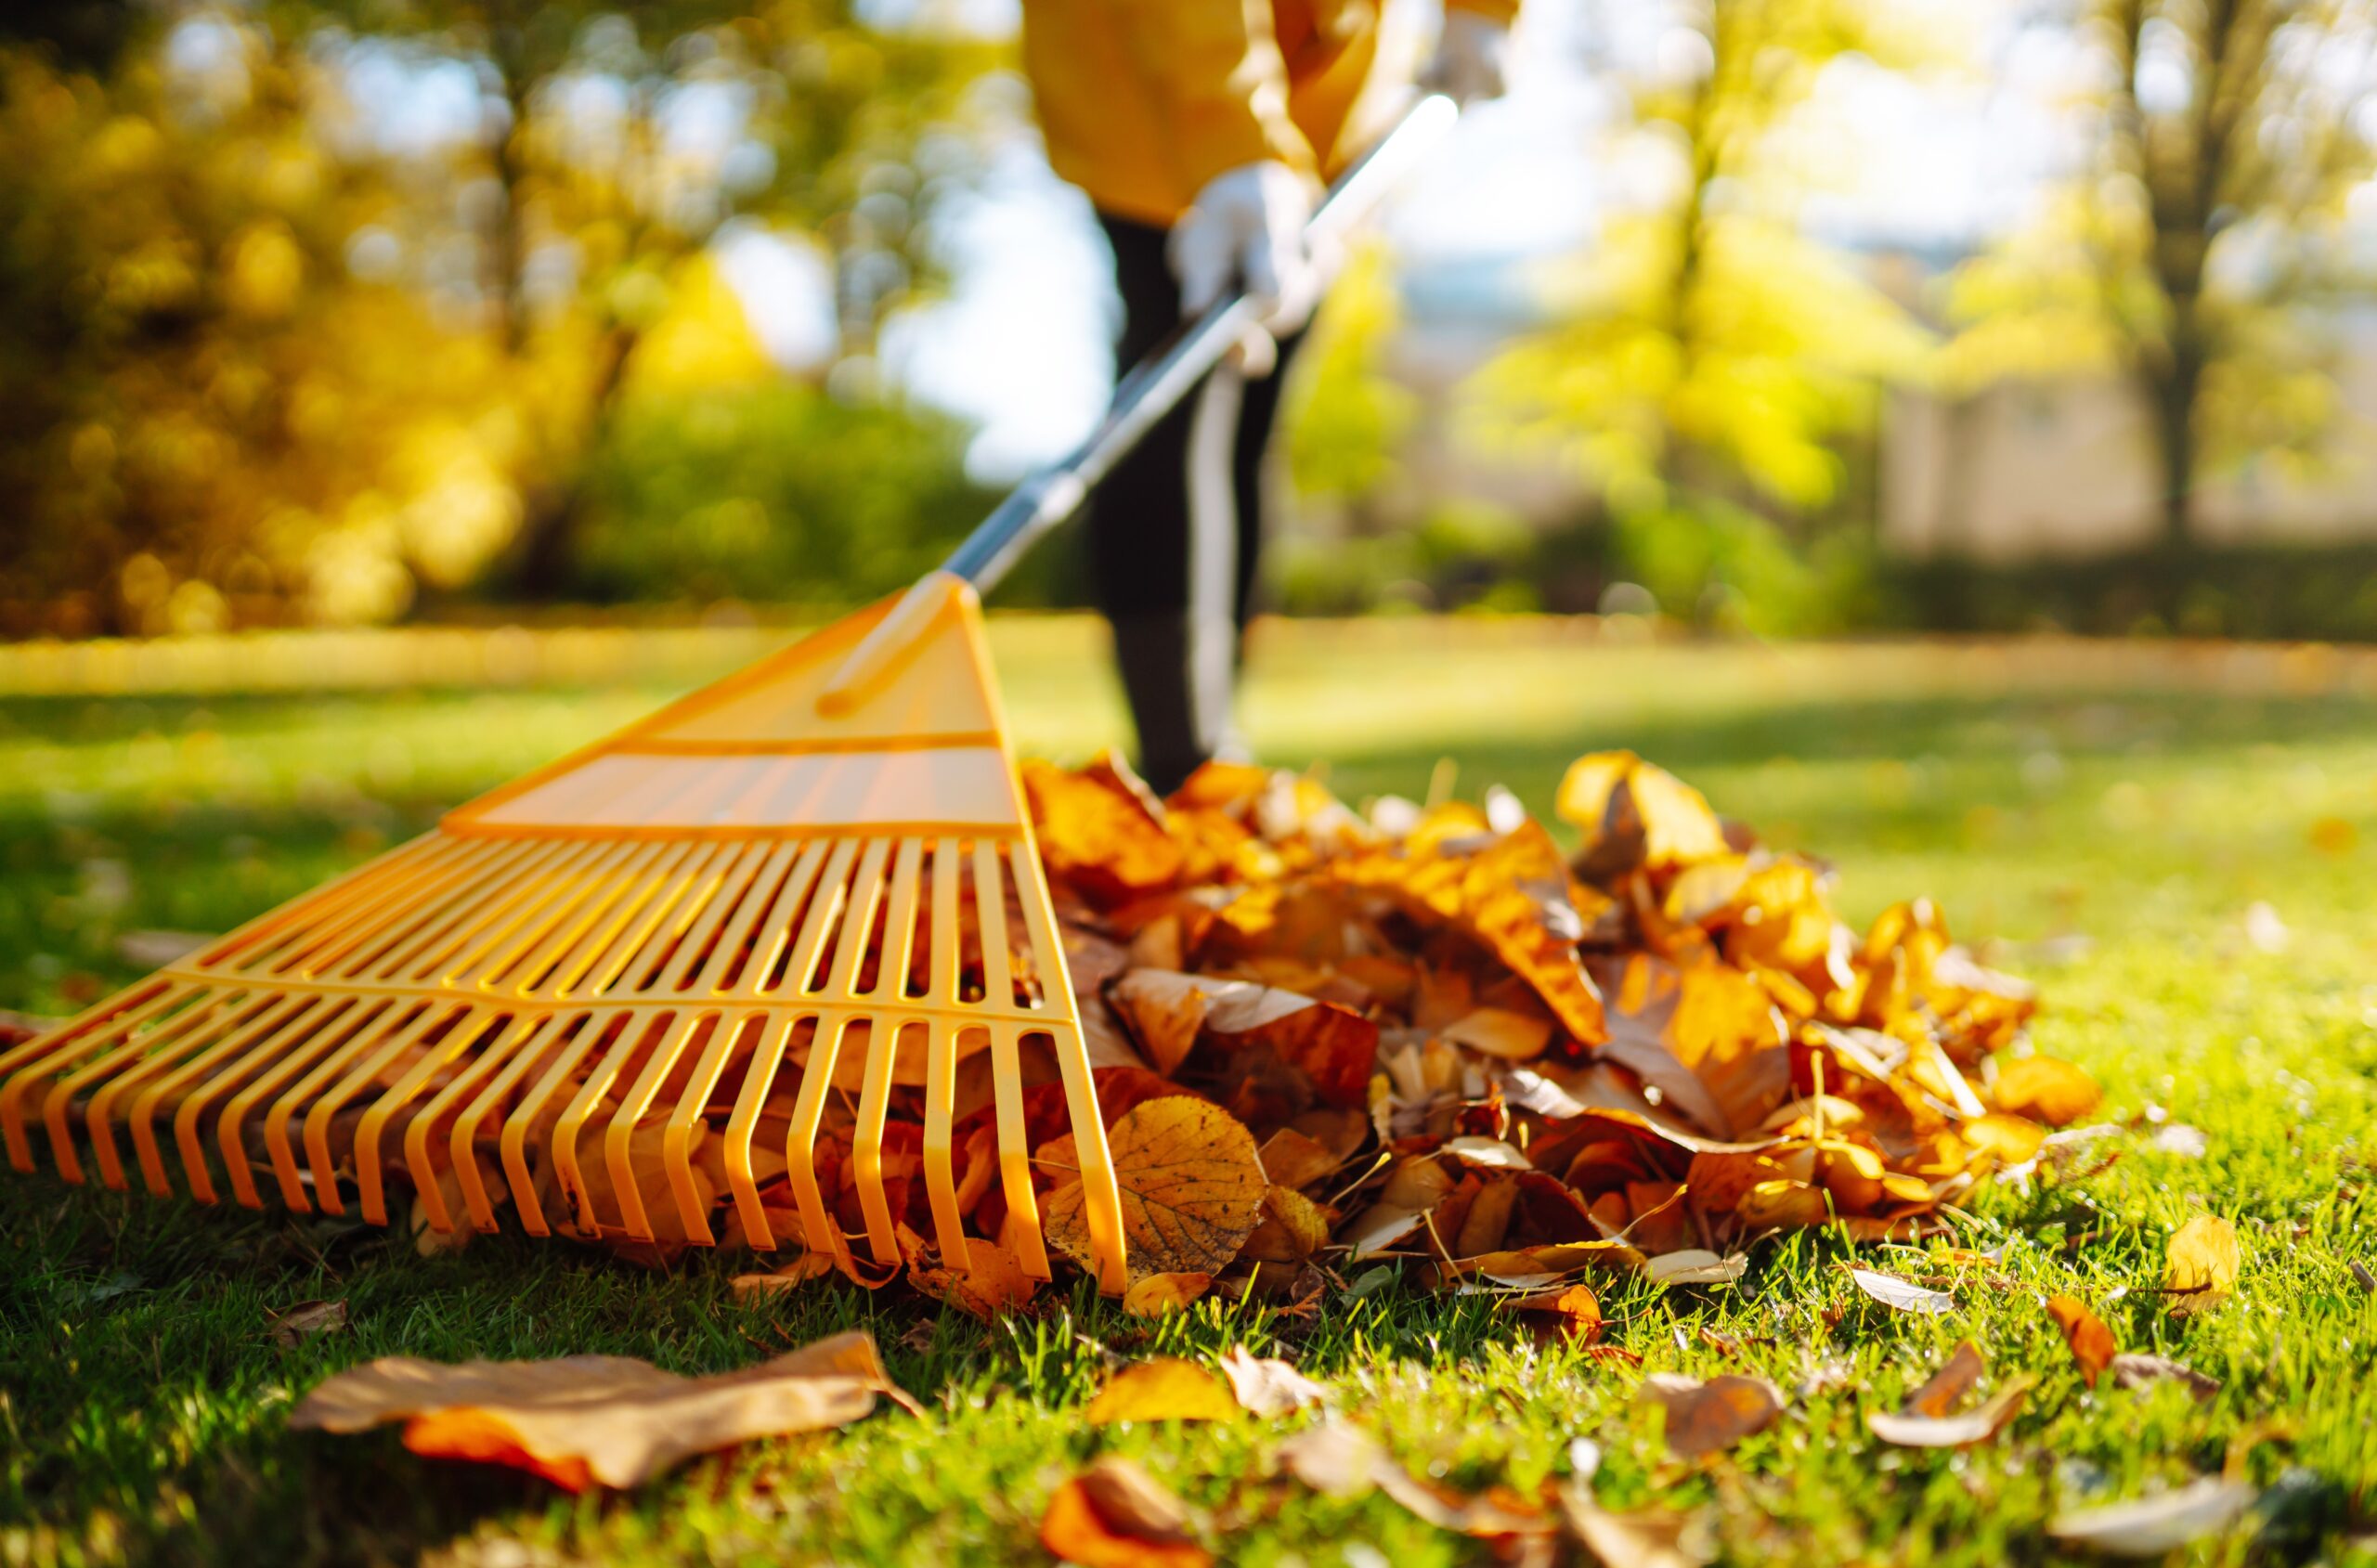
<point x="1141" y="532"/>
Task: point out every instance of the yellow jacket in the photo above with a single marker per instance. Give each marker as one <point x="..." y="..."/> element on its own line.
<point x="1142" y="101"/>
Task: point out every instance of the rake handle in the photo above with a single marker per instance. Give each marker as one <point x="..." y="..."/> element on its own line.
<point x="1150" y="390"/>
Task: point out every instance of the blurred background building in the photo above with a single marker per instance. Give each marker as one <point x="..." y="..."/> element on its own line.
<point x="1776" y="314"/>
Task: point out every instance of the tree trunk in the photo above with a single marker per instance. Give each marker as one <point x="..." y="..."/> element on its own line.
<point x="554" y="512"/>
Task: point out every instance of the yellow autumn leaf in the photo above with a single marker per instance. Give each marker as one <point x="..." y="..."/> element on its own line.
<point x="1165" y="1389"/>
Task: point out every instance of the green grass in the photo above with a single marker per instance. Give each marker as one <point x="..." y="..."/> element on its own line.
<point x="2140" y="800"/>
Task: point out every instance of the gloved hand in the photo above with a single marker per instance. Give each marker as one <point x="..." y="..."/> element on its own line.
<point x="1469" y="58"/>
<point x="1247" y="227"/>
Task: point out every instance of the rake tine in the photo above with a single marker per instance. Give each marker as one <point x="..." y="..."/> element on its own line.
<point x="582" y="1105"/>
<point x="1103" y="1201"/>
<point x="512" y="1043"/>
<point x="618" y="1138"/>
<point x="677" y="1135"/>
<point x="24" y="1064"/>
<point x="466" y="1032"/>
<point x="511" y="1143"/>
<point x="317" y="1117"/>
<point x="191" y="1108"/>
<point x="165" y="1038"/>
<point x="866" y="1138"/>
<point x="577" y="950"/>
<point x="769" y="940"/>
<point x="143" y="1113"/>
<point x="941" y="1060"/>
<point x="766" y="887"/>
<point x="338" y="1027"/>
<point x="801" y="1144"/>
<point x="758" y="1077"/>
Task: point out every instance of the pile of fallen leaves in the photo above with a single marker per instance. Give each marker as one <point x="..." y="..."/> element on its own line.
<point x="1324" y="1035"/>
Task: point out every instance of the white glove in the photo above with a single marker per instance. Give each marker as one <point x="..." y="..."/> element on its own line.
<point x="1469" y="58"/>
<point x="1247" y="227"/>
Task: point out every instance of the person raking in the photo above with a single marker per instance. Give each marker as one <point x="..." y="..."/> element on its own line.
<point x="1203" y="131"/>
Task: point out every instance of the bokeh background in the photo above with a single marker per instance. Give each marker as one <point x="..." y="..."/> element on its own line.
<point x="1775" y="316"/>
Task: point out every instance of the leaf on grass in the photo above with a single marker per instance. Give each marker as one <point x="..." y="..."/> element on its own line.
<point x="1116" y="1515"/>
<point x="2201" y="1258"/>
<point x="2156" y="1526"/>
<point x="1193" y="1189"/>
<point x="2133" y="1370"/>
<point x="2092" y="1343"/>
<point x="1267" y="1386"/>
<point x="1158" y="1295"/>
<point x="1901" y="1295"/>
<point x="305" y="1320"/>
<point x="2046" y="1088"/>
<point x="606" y="1419"/>
<point x="1339" y="1459"/>
<point x="1694" y="1265"/>
<point x="1707" y="1417"/>
<point x="1928" y="1419"/>
<point x="792" y="1275"/>
<point x="1946" y="1388"/>
<point x="1577" y="1308"/>
<point x="1164" y="1389"/>
<point x="992" y="1286"/>
<point x="1650" y="1537"/>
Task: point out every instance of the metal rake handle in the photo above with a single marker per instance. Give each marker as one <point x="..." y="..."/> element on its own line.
<point x="1150" y="390"/>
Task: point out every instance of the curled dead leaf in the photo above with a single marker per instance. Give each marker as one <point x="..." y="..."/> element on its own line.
<point x="1164" y="1389"/>
<point x="2046" y="1088"/>
<point x="1267" y="1386"/>
<point x="1339" y="1459"/>
<point x="1116" y="1515"/>
<point x="1706" y="1418"/>
<point x="2092" y="1343"/>
<point x="792" y="1275"/>
<point x="1929" y="1419"/>
<point x="606" y="1419"/>
<point x="2133" y="1370"/>
<point x="1901" y="1295"/>
<point x="1158" y="1295"/>
<point x="991" y="1285"/>
<point x="305" y="1320"/>
<point x="1649" y="1537"/>
<point x="2158" y="1525"/>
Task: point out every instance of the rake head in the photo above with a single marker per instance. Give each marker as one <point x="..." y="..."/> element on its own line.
<point x="670" y="989"/>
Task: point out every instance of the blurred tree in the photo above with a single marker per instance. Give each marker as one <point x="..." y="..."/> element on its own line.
<point x="613" y="143"/>
<point x="306" y="305"/>
<point x="1708" y="355"/>
<point x="2201" y="234"/>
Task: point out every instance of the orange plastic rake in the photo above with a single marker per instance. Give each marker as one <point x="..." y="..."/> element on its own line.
<point x="652" y="976"/>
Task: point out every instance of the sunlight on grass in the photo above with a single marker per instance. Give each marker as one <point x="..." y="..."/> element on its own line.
<point x="2103" y="821"/>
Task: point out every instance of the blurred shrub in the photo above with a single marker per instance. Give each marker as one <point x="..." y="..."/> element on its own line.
<point x="2287" y="591"/>
<point x="776" y="492"/>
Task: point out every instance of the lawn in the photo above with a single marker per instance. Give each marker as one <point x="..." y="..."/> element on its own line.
<point x="2176" y="844"/>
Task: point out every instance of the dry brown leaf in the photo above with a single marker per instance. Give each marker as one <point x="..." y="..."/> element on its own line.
<point x="1911" y="1429"/>
<point x="1901" y="1295"/>
<point x="793" y="1274"/>
<point x="993" y="1286"/>
<point x="1696" y="1265"/>
<point x="1098" y="835"/>
<point x="1339" y="1459"/>
<point x="1116" y="1515"/>
<point x="1707" y="1417"/>
<point x="1946" y="1388"/>
<point x="606" y="1419"/>
<point x="1158" y="1295"/>
<point x="1164" y="1389"/>
<point x="1193" y="1189"/>
<point x="2159" y="1526"/>
<point x="1267" y="1386"/>
<point x="2092" y="1343"/>
<point x="1650" y="1537"/>
<point x="2134" y="1371"/>
<point x="305" y="1320"/>
<point x="1577" y="1308"/>
<point x="2201" y="1258"/>
<point x="2046" y="1088"/>
<point x="1292" y="1158"/>
<point x="1292" y="1228"/>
